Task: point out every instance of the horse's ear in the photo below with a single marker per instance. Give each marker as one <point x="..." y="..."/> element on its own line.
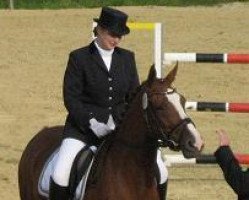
<point x="152" y="74"/>
<point x="172" y="74"/>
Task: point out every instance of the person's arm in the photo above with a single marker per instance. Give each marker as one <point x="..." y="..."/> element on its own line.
<point x="233" y="173"/>
<point x="73" y="88"/>
<point x="134" y="81"/>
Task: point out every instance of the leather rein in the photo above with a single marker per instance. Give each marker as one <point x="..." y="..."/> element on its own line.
<point x="168" y="138"/>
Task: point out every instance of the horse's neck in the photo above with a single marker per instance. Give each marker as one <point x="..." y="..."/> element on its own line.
<point x="132" y="143"/>
<point x="133" y="128"/>
<point x="133" y="132"/>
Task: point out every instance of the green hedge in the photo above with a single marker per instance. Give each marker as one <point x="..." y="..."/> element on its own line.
<point x="55" y="4"/>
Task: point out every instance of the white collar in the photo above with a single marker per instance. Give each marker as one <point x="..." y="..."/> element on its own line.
<point x="103" y="52"/>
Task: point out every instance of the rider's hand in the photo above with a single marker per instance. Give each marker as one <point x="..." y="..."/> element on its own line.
<point x="100" y="129"/>
<point x="223" y="138"/>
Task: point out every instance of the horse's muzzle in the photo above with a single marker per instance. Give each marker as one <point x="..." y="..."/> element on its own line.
<point x="188" y="147"/>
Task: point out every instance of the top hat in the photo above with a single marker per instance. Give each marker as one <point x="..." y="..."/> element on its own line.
<point x="113" y="20"/>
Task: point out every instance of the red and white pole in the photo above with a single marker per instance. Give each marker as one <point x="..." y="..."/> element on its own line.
<point x="217" y="106"/>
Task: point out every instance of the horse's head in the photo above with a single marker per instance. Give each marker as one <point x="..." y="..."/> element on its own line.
<point x="166" y="117"/>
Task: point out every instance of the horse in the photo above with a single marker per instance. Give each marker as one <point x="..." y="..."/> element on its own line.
<point x="126" y="164"/>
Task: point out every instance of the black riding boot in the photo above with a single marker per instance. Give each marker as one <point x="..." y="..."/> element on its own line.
<point x="162" y="190"/>
<point x="57" y="192"/>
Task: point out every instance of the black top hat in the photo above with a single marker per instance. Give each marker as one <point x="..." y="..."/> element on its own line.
<point x="114" y="21"/>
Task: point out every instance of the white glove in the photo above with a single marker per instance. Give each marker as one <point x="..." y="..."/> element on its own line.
<point x="100" y="129"/>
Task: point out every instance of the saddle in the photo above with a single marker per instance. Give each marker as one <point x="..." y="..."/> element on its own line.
<point x="78" y="176"/>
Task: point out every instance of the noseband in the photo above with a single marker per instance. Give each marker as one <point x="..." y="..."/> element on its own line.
<point x="168" y="138"/>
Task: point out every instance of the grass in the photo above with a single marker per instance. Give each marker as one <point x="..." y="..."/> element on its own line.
<point x="61" y="4"/>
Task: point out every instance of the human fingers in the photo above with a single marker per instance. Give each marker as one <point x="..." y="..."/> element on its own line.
<point x="223" y="138"/>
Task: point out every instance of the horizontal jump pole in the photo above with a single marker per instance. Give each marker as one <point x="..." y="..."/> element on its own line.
<point x="202" y="159"/>
<point x="217" y="106"/>
<point x="230" y="58"/>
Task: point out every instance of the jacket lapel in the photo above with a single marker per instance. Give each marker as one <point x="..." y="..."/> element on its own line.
<point x="96" y="56"/>
<point x="117" y="61"/>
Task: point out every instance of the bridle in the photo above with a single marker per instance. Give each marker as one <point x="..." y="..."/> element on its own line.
<point x="168" y="138"/>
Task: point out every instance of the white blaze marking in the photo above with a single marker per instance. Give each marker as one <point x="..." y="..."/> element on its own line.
<point x="174" y="98"/>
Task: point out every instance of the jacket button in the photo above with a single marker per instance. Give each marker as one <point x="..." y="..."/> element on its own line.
<point x="110" y="108"/>
<point x="110" y="88"/>
<point x="109" y="79"/>
<point x="110" y="98"/>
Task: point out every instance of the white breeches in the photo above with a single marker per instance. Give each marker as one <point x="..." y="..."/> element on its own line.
<point x="162" y="168"/>
<point x="67" y="153"/>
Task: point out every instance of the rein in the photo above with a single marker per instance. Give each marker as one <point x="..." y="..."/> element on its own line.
<point x="155" y="125"/>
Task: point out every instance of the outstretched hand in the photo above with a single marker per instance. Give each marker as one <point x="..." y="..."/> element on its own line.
<point x="223" y="138"/>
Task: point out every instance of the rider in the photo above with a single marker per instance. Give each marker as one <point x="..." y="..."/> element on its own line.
<point x="237" y="178"/>
<point x="97" y="79"/>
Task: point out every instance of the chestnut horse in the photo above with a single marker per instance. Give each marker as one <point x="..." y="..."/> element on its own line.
<point x="126" y="164"/>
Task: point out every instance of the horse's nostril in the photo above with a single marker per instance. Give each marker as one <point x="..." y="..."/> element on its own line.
<point x="190" y="143"/>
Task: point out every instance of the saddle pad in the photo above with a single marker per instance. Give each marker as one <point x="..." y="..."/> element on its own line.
<point x="44" y="179"/>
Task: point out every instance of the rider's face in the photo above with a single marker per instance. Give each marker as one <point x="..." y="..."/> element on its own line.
<point x="106" y="39"/>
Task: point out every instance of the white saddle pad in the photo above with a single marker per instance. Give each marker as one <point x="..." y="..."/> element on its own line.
<point x="43" y="184"/>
